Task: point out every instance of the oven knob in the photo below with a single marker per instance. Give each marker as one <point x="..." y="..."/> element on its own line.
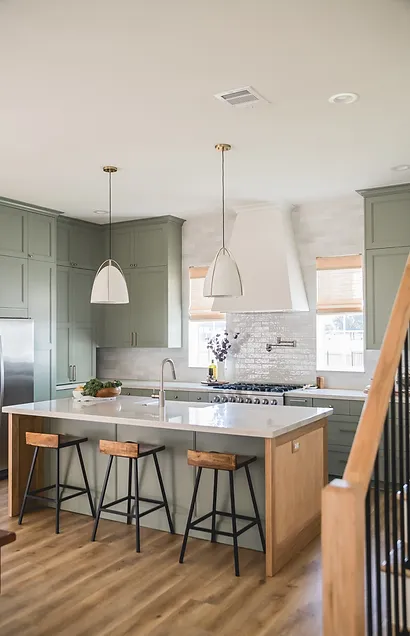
<point x="241" y="400"/>
<point x="256" y="401"/>
<point x="265" y="401"/>
<point x="232" y="399"/>
<point x="216" y="398"/>
<point x="274" y="402"/>
<point x="248" y="401"/>
<point x="224" y="399"/>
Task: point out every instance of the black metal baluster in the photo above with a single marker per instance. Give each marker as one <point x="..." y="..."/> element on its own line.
<point x="387" y="528"/>
<point x="402" y="495"/>
<point x="369" y="564"/>
<point x="377" y="540"/>
<point x="396" y="602"/>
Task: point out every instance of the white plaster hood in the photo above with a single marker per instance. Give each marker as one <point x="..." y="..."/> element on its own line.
<point x="263" y="245"/>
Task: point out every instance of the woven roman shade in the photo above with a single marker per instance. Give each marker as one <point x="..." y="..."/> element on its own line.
<point x="339" y="284"/>
<point x="200" y="308"/>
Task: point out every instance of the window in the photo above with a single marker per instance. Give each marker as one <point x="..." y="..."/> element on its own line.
<point x="339" y="319"/>
<point x="203" y="322"/>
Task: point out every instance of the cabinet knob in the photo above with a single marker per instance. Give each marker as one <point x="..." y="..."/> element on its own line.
<point x="30" y="255"/>
<point x="176" y="397"/>
<point x="199" y="399"/>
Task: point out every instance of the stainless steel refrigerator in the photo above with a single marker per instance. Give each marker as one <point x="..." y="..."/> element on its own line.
<point x="16" y="372"/>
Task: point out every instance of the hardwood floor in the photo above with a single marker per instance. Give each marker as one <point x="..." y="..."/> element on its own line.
<point x="64" y="585"/>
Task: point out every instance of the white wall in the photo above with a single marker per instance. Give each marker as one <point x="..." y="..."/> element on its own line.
<point x="323" y="228"/>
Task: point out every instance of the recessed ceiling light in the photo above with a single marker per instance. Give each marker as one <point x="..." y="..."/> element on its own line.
<point x="401" y="167"/>
<point x="100" y="212"/>
<point x="344" y="98"/>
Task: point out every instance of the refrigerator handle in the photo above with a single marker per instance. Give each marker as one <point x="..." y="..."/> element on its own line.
<point x="1" y="376"/>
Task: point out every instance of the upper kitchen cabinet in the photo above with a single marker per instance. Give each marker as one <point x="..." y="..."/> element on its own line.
<point x="13" y="287"/>
<point x="79" y="244"/>
<point x="42" y="237"/>
<point x="13" y="231"/>
<point x="141" y="243"/>
<point x="387" y="216"/>
<point x="150" y="252"/>
<point x="387" y="246"/>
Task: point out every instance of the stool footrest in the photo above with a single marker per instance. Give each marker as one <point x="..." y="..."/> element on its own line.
<point x="132" y="515"/>
<point x="194" y="524"/>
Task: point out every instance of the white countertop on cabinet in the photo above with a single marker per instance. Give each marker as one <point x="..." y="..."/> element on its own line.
<point x="336" y="394"/>
<point x="231" y="419"/>
<point x="152" y="384"/>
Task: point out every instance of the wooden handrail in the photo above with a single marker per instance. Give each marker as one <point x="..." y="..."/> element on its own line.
<point x="343" y="501"/>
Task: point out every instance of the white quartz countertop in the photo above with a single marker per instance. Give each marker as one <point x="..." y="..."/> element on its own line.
<point x="230" y="419"/>
<point x="337" y="394"/>
<point x="152" y="384"/>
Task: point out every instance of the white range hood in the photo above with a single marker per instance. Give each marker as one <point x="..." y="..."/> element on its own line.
<point x="263" y="245"/>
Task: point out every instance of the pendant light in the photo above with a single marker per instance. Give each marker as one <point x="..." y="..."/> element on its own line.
<point x="223" y="278"/>
<point x="110" y="287"/>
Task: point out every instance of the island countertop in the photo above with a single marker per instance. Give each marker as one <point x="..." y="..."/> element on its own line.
<point x="228" y="419"/>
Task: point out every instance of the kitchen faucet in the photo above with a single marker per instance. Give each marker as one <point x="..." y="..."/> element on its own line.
<point x="161" y="390"/>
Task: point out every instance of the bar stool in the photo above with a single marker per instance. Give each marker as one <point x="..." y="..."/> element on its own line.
<point x="231" y="463"/>
<point x="55" y="442"/>
<point x="133" y="452"/>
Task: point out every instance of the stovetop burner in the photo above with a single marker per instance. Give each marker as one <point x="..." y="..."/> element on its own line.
<point x="263" y="388"/>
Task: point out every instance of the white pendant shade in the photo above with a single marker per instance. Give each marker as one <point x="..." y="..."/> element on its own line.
<point x="223" y="278"/>
<point x="110" y="287"/>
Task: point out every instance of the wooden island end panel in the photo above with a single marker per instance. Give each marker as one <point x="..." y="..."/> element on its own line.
<point x="20" y="458"/>
<point x="296" y="471"/>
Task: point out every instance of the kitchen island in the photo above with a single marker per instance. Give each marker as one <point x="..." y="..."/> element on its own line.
<point x="290" y="443"/>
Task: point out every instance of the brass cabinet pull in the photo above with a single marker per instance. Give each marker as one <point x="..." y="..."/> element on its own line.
<point x="70" y="372"/>
<point x="75" y="372"/>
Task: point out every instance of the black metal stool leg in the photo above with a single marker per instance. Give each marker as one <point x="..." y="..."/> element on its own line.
<point x="190" y="515"/>
<point x="214" y="500"/>
<point x="234" y="529"/>
<point x="255" y="507"/>
<point x="58" y="496"/>
<point x="129" y="517"/>
<point x="163" y="493"/>
<point x="29" y="480"/>
<point x="87" y="486"/>
<point x="137" y="509"/>
<point x="100" y="503"/>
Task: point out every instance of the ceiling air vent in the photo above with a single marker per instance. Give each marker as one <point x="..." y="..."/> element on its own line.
<point x="240" y="97"/>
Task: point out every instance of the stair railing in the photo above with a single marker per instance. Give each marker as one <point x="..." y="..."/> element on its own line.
<point x="363" y="522"/>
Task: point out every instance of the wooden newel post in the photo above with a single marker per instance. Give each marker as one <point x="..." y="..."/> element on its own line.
<point x="343" y="559"/>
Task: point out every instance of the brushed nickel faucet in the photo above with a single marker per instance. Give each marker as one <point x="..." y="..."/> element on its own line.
<point x="161" y="394"/>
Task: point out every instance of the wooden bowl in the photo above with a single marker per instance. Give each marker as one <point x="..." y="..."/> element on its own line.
<point x="112" y="391"/>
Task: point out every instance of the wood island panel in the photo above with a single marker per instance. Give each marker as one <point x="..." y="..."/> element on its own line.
<point x="20" y="457"/>
<point x="295" y="472"/>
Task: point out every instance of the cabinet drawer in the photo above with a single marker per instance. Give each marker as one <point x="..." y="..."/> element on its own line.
<point x="340" y="407"/>
<point x="182" y="396"/>
<point x="337" y="460"/>
<point x="138" y="392"/>
<point x="356" y="407"/>
<point x="342" y="431"/>
<point x="298" y="401"/>
<point x="198" y="396"/>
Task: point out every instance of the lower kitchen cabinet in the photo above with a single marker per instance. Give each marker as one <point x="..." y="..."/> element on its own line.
<point x="298" y="401"/>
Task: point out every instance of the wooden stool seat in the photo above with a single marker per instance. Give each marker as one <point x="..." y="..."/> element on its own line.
<point x="5" y="538"/>
<point x="133" y="451"/>
<point x="229" y="462"/>
<point x="55" y="442"/>
<point x="52" y="440"/>
<point x="218" y="461"/>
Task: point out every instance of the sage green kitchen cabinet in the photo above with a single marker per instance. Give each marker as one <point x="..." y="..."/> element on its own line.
<point x="42" y="310"/>
<point x="42" y="237"/>
<point x="79" y="244"/>
<point x="297" y="401"/>
<point x="153" y="316"/>
<point x="13" y="231"/>
<point x="13" y="287"/>
<point x="384" y="269"/>
<point x="387" y="217"/>
<point x="76" y="326"/>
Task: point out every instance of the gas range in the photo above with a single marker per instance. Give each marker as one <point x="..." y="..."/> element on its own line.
<point x="248" y="393"/>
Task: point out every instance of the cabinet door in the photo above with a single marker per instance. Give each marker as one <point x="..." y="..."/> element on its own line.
<point x="149" y="305"/>
<point x="63" y="243"/>
<point x="63" y="295"/>
<point x="82" y="353"/>
<point x="13" y="232"/>
<point x="63" y="373"/>
<point x="41" y="237"/>
<point x="13" y="282"/>
<point x="122" y="246"/>
<point x="84" y="244"/>
<point x="117" y="322"/>
<point x="297" y="401"/>
<point x="384" y="269"/>
<point x="150" y="246"/>
<point x="81" y="282"/>
<point x="387" y="221"/>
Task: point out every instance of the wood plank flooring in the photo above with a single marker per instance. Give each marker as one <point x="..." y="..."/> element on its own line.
<point x="64" y="585"/>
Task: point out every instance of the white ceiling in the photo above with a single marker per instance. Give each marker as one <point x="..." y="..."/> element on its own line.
<point x="131" y="82"/>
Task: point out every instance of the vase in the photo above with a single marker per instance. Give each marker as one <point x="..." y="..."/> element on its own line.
<point x="221" y="371"/>
<point x="229" y="370"/>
